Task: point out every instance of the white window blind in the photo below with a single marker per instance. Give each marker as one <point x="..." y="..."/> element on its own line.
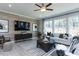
<point x="60" y="26"/>
<point x="73" y="25"/>
<point x="47" y="26"/>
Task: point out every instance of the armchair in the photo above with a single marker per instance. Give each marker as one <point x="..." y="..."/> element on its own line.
<point x="8" y="46"/>
<point x="6" y="43"/>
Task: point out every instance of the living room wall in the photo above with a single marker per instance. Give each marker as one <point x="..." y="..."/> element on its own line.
<point x="40" y="25"/>
<point x="11" y="18"/>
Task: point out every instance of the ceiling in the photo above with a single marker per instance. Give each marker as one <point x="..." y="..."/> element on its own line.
<point x="26" y="9"/>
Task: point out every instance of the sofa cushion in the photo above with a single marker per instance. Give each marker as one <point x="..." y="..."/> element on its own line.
<point x="45" y="40"/>
<point x="61" y="36"/>
<point x="52" y="35"/>
<point x="55" y="34"/>
<point x="61" y="40"/>
<point x="52" y="40"/>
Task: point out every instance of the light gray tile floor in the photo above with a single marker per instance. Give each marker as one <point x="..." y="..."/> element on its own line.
<point x="25" y="48"/>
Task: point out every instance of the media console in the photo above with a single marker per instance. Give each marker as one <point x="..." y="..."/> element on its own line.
<point x="22" y="37"/>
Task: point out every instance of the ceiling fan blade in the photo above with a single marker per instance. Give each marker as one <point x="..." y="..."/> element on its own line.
<point x="37" y="10"/>
<point x="49" y="4"/>
<point x="38" y="5"/>
<point x="50" y="9"/>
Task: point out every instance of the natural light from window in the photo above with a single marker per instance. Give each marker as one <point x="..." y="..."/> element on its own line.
<point x="47" y="26"/>
<point x="60" y="26"/>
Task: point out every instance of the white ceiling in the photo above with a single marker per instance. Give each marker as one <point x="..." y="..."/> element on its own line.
<point x="26" y="9"/>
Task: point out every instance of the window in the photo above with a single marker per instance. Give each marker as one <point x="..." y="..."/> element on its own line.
<point x="73" y="25"/>
<point x="67" y="24"/>
<point x="60" y="26"/>
<point x="47" y="26"/>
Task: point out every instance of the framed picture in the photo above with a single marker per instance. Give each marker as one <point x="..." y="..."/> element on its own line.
<point x="34" y="27"/>
<point x="4" y="26"/>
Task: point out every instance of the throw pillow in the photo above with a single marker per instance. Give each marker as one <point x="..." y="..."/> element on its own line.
<point x="45" y="40"/>
<point x="61" y="36"/>
<point x="73" y="50"/>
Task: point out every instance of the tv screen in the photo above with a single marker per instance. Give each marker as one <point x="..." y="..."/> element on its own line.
<point x="21" y="25"/>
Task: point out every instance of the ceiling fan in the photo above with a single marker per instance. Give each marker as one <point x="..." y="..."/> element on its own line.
<point x="44" y="7"/>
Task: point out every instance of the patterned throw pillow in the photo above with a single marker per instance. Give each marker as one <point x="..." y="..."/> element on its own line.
<point x="73" y="50"/>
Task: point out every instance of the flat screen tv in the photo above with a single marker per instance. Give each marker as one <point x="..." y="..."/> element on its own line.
<point x="21" y="25"/>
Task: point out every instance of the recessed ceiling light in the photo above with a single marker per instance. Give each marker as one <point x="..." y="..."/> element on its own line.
<point x="10" y="5"/>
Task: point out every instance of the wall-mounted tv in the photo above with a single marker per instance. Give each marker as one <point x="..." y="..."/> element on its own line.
<point x="21" y="25"/>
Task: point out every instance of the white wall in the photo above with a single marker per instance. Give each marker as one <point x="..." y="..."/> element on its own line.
<point x="40" y="26"/>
